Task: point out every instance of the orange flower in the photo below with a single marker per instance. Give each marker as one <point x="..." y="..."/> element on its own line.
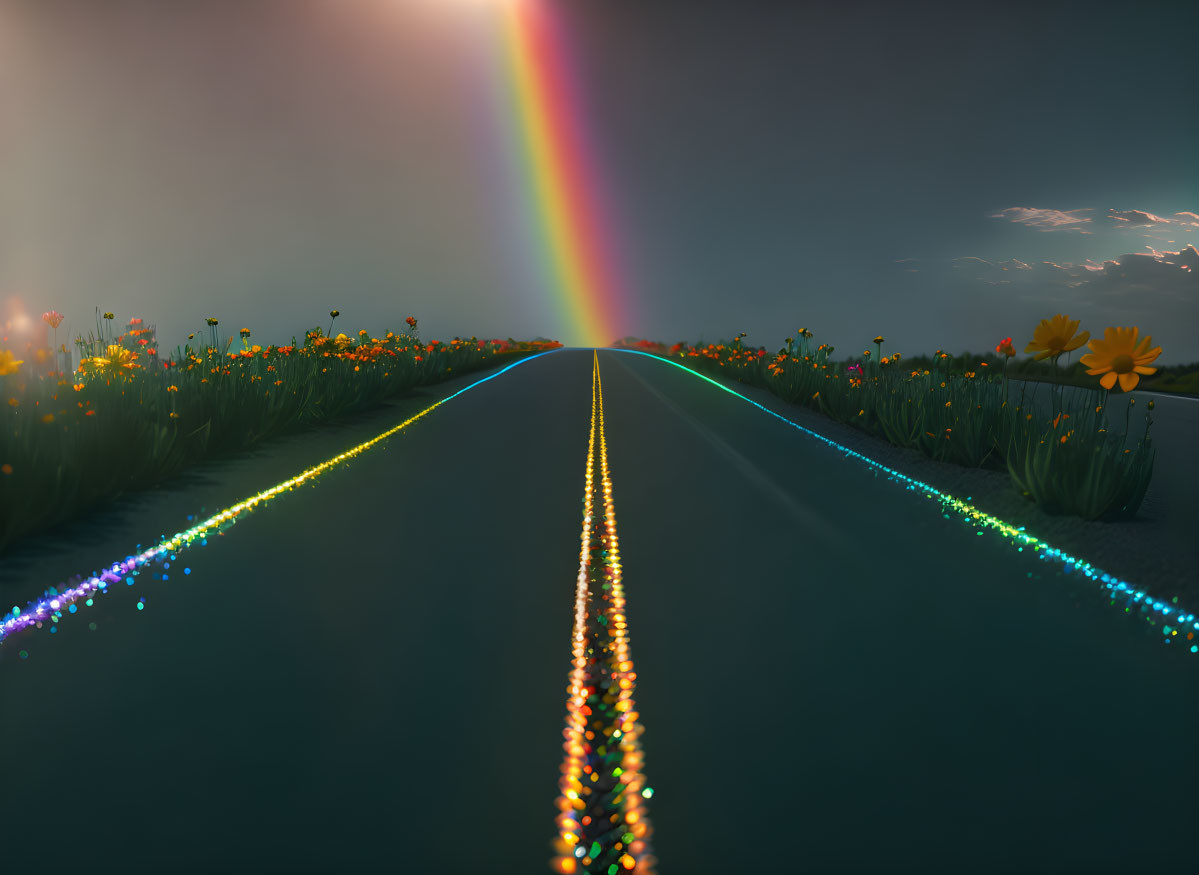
<point x="1120" y="355"/>
<point x="1055" y="336"/>
<point x="1005" y="347"/>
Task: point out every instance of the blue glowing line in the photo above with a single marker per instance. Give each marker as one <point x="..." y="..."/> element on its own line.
<point x="1044" y="550"/>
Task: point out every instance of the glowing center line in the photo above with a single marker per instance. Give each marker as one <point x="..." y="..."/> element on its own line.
<point x="1041" y="548"/>
<point x="603" y="825"/>
<point x="52" y="603"/>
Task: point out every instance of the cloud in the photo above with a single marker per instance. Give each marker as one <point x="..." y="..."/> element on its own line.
<point x="1137" y="281"/>
<point x="1044" y="220"/>
<point x="1074" y="220"/>
<point x="1135" y="217"/>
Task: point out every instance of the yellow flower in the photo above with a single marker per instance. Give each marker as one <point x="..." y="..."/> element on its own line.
<point x="118" y="357"/>
<point x="878" y="339"/>
<point x="1055" y="336"/>
<point x="8" y="363"/>
<point x="172" y="388"/>
<point x="1119" y="356"/>
<point x="48" y="418"/>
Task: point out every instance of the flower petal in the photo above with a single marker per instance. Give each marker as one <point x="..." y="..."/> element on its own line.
<point x="1077" y="342"/>
<point x="1141" y="369"/>
<point x="1108" y="380"/>
<point x="1128" y="382"/>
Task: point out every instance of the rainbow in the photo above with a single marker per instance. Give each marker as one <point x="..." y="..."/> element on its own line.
<point x="580" y="265"/>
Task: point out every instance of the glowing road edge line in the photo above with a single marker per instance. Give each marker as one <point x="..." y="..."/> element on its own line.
<point x="52" y="603"/>
<point x="1044" y="550"/>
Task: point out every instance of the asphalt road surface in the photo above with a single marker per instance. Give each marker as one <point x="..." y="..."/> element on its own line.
<point x="370" y="674"/>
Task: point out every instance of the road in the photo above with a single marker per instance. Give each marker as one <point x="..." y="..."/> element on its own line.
<point x="370" y="674"/>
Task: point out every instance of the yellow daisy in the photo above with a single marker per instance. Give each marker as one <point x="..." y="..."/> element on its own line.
<point x="1119" y="355"/>
<point x="9" y="363"/>
<point x="1055" y="336"/>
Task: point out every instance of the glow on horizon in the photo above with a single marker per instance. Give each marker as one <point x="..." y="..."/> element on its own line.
<point x="579" y="259"/>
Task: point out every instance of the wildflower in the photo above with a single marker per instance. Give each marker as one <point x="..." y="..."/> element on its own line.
<point x="333" y="314"/>
<point x="1060" y="417"/>
<point x="53" y="318"/>
<point x="13" y="402"/>
<point x="878" y="339"/>
<point x="211" y="320"/>
<point x="172" y="388"/>
<point x="8" y="363"/>
<point x="174" y="415"/>
<point x="109" y="316"/>
<point x="866" y="353"/>
<point x="364" y="333"/>
<point x="6" y="468"/>
<point x="948" y="403"/>
<point x="118" y="357"/>
<point x="411" y="320"/>
<point x="78" y="387"/>
<point x="48" y="418"/>
<point x="191" y="337"/>
<point x="1055" y="336"/>
<point x="1151" y="405"/>
<point x="245" y="332"/>
<point x="1005" y="348"/>
<point x="970" y="375"/>
<point x="1119" y="356"/>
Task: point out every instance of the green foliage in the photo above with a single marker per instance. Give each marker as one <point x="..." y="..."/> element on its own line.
<point x="959" y="410"/>
<point x="73" y="442"/>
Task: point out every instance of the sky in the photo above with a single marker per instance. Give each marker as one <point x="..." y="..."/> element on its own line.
<point x="945" y="175"/>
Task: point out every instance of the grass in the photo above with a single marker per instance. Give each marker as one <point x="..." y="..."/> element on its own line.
<point x="962" y="410"/>
<point x="129" y="418"/>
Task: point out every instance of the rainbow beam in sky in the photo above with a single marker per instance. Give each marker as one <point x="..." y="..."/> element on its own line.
<point x="581" y="265"/>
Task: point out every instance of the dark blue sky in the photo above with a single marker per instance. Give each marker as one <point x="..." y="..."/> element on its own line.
<point x="799" y="151"/>
<point x="945" y="175"/>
